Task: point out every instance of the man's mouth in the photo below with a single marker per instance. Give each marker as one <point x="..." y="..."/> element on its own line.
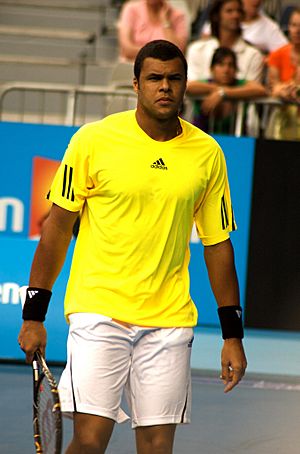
<point x="164" y="100"/>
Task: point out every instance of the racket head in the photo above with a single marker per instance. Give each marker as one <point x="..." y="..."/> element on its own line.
<point x="47" y="418"/>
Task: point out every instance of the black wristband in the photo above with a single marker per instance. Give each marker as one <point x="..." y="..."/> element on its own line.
<point x="231" y="322"/>
<point x="36" y="304"/>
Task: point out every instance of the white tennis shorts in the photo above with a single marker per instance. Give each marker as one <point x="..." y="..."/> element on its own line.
<point x="151" y="365"/>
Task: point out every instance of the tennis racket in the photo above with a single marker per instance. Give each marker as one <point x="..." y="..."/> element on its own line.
<point x="47" y="418"/>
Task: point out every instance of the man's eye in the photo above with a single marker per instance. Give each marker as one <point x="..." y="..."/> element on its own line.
<point x="175" y="78"/>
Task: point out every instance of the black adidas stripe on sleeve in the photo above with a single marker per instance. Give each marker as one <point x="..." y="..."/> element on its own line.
<point x="67" y="190"/>
<point x="224" y="216"/>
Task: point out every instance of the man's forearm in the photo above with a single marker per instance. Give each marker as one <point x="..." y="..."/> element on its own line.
<point x="47" y="263"/>
<point x="220" y="265"/>
<point x="52" y="248"/>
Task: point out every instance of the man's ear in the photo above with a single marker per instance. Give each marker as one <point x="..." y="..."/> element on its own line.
<point x="135" y="84"/>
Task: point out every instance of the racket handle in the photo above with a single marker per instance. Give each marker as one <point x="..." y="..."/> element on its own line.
<point x="35" y="368"/>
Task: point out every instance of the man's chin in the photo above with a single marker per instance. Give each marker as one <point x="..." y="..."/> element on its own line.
<point x="166" y="113"/>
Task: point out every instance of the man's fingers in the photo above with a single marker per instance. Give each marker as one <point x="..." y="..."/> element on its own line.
<point x="32" y="337"/>
<point x="29" y="358"/>
<point x="28" y="352"/>
<point x="231" y="377"/>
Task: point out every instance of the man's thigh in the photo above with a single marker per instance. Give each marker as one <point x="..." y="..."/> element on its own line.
<point x="159" y="389"/>
<point x="99" y="356"/>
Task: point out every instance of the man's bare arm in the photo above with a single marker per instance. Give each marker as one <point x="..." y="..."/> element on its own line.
<point x="219" y="260"/>
<point x="47" y="263"/>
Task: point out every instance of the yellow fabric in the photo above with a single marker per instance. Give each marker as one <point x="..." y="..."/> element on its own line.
<point x="138" y="199"/>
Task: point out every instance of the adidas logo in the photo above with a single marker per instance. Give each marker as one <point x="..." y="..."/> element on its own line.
<point x="159" y="164"/>
<point x="31" y="293"/>
<point x="238" y="313"/>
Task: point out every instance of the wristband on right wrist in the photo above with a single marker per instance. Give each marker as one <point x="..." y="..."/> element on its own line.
<point x="231" y="322"/>
<point x="36" y="304"/>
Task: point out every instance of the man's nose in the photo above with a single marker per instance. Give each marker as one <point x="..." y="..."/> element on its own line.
<point x="165" y="84"/>
<point x="236" y="14"/>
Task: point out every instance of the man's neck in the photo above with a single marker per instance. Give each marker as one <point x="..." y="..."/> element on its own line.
<point x="228" y="38"/>
<point x="250" y="17"/>
<point x="159" y="130"/>
<point x="154" y="10"/>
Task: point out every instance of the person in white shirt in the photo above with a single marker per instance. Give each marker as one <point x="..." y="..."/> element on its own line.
<point x="225" y="19"/>
<point x="259" y="29"/>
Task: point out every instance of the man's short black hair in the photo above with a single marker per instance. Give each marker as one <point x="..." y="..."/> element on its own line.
<point x="161" y="50"/>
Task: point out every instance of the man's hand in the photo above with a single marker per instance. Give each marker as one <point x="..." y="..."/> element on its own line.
<point x="32" y="337"/>
<point x="210" y="102"/>
<point x="233" y="362"/>
<point x="285" y="91"/>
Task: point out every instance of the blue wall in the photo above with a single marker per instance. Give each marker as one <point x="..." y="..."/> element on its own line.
<point x="20" y="143"/>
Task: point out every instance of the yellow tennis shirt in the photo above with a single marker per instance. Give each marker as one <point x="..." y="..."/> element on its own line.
<point x="138" y="200"/>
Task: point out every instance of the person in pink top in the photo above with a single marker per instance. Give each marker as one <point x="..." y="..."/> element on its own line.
<point x="142" y="21"/>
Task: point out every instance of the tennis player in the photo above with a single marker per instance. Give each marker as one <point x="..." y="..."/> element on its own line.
<point x="139" y="180"/>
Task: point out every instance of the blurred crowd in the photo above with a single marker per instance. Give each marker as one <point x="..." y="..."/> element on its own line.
<point x="234" y="50"/>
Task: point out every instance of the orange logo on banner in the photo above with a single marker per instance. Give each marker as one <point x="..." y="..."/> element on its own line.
<point x="43" y="171"/>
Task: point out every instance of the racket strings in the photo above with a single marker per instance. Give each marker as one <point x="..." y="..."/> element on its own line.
<point x="48" y="405"/>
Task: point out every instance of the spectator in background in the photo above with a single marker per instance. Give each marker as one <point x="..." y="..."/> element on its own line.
<point x="225" y="20"/>
<point x="221" y="89"/>
<point x="194" y="7"/>
<point x="142" y="21"/>
<point x="258" y="29"/>
<point x="284" y="81"/>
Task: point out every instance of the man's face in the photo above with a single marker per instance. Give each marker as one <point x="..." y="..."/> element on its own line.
<point x="294" y="28"/>
<point x="161" y="88"/>
<point x="224" y="72"/>
<point x="252" y="6"/>
<point x="231" y="15"/>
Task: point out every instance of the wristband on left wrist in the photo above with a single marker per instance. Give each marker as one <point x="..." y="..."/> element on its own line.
<point x="231" y="322"/>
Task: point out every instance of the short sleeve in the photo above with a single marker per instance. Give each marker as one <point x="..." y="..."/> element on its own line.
<point x="255" y="67"/>
<point x="128" y="16"/>
<point x="71" y="184"/>
<point x="274" y="59"/>
<point x="193" y="57"/>
<point x="214" y="215"/>
<point x="181" y="28"/>
<point x="276" y="38"/>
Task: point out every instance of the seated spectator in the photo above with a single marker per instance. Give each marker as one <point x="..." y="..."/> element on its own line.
<point x="194" y="7"/>
<point x="225" y="20"/>
<point x="284" y="81"/>
<point x="142" y="21"/>
<point x="221" y="90"/>
<point x="258" y="28"/>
